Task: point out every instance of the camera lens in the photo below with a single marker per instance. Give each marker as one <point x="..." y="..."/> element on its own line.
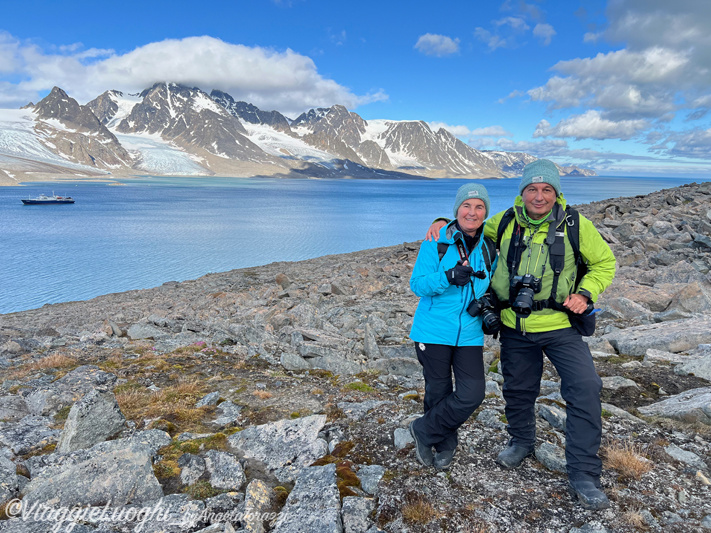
<point x="523" y="303"/>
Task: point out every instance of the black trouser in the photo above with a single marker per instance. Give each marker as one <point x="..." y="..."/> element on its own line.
<point x="522" y="367"/>
<point x="446" y="408"/>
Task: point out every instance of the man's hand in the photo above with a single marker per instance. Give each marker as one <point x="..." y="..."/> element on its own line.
<point x="433" y="231"/>
<point x="576" y="303"/>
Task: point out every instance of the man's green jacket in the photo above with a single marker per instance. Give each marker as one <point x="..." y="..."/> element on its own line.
<point x="535" y="260"/>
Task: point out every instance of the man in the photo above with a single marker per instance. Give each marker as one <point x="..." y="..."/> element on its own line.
<point x="533" y="323"/>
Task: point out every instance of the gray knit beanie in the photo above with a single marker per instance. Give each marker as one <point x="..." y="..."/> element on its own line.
<point x="471" y="190"/>
<point x="540" y="171"/>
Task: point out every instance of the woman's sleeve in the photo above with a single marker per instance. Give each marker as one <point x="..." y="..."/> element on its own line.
<point x="428" y="277"/>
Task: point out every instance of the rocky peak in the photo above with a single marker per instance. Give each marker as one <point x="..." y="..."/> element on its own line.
<point x="251" y="113"/>
<point x="310" y="117"/>
<point x="58" y="105"/>
<point x="105" y="106"/>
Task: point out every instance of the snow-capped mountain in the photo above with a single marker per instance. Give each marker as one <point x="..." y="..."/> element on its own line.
<point x="178" y="130"/>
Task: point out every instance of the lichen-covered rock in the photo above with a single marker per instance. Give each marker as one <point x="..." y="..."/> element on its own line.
<point x="314" y="503"/>
<point x="690" y="406"/>
<point x="285" y="446"/>
<point x="95" y="418"/>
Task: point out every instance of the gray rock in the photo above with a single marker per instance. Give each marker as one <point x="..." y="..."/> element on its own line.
<point x="13" y="408"/>
<point x="617" y="382"/>
<point x="492" y="387"/>
<point x="370" y="344"/>
<point x="700" y="368"/>
<point x="95" y="418"/>
<point x="209" y="399"/>
<point x="401" y="438"/>
<point x="621" y="413"/>
<point x="555" y="416"/>
<point x="118" y="477"/>
<point x="356" y="514"/>
<point x="398" y="366"/>
<point x="8" y="479"/>
<point x="358" y="410"/>
<point x="671" y="518"/>
<point x="673" y="336"/>
<point x="551" y="456"/>
<point x="30" y="433"/>
<point x="227" y="414"/>
<point x="687" y="457"/>
<point x="226" y="472"/>
<point x="490" y="418"/>
<point x="337" y="364"/>
<point x="21" y="525"/>
<point x="257" y="502"/>
<point x="285" y="446"/>
<point x="314" y="503"/>
<point x="706" y="522"/>
<point x="292" y="361"/>
<point x="591" y="528"/>
<point x="191" y="468"/>
<point x="649" y="518"/>
<point x="68" y="389"/>
<point x="370" y="476"/>
<point x="405" y="351"/>
<point x="144" y="330"/>
<point x="693" y="405"/>
<point x="656" y="356"/>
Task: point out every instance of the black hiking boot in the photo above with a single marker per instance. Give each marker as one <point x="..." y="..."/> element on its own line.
<point x="513" y="455"/>
<point x="422" y="452"/>
<point x="588" y="494"/>
<point x="443" y="459"/>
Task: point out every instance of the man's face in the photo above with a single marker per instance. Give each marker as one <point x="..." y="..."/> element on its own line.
<point x="539" y="199"/>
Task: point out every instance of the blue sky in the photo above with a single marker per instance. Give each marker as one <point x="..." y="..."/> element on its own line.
<point x="620" y="86"/>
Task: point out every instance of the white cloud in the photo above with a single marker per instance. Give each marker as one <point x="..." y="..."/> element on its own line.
<point x="270" y="79"/>
<point x="544" y="32"/>
<point x="663" y="67"/>
<point x="692" y="144"/>
<point x="437" y="45"/>
<point x="459" y="131"/>
<point x="491" y="131"/>
<point x="591" y="125"/>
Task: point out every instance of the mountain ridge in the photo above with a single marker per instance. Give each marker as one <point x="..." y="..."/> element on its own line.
<point x="173" y="129"/>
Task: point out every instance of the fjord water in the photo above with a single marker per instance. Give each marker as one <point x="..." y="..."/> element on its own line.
<point x="153" y="230"/>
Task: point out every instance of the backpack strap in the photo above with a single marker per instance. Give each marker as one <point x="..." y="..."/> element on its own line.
<point x="488" y="250"/>
<point x="508" y="216"/>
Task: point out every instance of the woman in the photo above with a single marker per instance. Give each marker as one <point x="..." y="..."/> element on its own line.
<point x="448" y="339"/>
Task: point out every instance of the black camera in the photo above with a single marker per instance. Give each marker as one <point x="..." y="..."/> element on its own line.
<point x="525" y="287"/>
<point x="484" y="306"/>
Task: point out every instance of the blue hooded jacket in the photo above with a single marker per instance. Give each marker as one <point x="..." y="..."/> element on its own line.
<point x="441" y="316"/>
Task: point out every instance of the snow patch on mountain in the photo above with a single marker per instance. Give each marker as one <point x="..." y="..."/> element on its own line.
<point x="159" y="156"/>
<point x="283" y="145"/>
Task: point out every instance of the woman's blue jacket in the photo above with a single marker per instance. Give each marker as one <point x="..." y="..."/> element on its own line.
<point x="441" y="316"/>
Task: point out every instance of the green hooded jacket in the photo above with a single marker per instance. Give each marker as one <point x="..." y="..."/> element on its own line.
<point x="535" y="260"/>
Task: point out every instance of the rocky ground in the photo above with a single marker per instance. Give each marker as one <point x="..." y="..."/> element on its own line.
<point x="277" y="398"/>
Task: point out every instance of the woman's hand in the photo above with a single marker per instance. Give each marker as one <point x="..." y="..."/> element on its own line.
<point x="433" y="231"/>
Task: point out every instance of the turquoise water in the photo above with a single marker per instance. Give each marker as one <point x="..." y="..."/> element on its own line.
<point x="149" y="231"/>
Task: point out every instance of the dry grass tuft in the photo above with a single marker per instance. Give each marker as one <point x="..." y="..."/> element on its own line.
<point x="627" y="458"/>
<point x="262" y="394"/>
<point x="175" y="403"/>
<point x="418" y="510"/>
<point x="634" y="519"/>
<point x="51" y="362"/>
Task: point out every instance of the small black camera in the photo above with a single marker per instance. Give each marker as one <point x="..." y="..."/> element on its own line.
<point x="525" y="287"/>
<point x="484" y="306"/>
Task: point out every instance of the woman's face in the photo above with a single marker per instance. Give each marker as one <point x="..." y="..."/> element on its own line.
<point x="471" y="215"/>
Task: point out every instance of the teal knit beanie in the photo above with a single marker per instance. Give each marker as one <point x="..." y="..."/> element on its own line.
<point x="471" y="190"/>
<point x="540" y="171"/>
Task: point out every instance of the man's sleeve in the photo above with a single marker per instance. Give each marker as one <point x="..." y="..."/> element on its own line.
<point x="599" y="257"/>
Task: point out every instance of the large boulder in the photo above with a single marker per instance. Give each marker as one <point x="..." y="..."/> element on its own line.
<point x="690" y="406"/>
<point x="672" y="336"/>
<point x="285" y="447"/>
<point x="93" y="419"/>
<point x="314" y="504"/>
